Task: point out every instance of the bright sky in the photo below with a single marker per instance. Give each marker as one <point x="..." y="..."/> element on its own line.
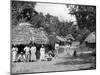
<point x="59" y="10"/>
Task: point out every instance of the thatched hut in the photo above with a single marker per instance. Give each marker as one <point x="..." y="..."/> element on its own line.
<point x="25" y="34"/>
<point x="91" y="38"/>
<point x="62" y="40"/>
<point x="90" y="41"/>
<point x="70" y="37"/>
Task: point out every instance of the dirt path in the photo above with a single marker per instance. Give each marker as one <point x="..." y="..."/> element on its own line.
<point x="57" y="64"/>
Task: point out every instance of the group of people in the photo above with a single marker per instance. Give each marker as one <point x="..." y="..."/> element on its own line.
<point x="31" y="53"/>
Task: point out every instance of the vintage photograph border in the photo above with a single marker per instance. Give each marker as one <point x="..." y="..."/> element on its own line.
<point x="46" y="3"/>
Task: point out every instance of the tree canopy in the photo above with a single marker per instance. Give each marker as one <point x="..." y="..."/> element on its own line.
<point x="85" y="15"/>
<point x="22" y="11"/>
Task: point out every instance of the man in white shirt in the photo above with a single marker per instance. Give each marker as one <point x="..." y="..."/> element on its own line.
<point x="27" y="53"/>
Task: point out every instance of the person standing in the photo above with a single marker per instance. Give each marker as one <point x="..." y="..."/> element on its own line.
<point x="68" y="49"/>
<point x="33" y="53"/>
<point x="14" y="53"/>
<point x="27" y="53"/>
<point x="56" y="48"/>
<point x="42" y="53"/>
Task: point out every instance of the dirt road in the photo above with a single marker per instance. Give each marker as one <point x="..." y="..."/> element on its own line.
<point x="57" y="64"/>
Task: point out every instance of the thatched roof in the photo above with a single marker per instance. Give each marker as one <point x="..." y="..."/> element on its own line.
<point x="24" y="23"/>
<point x="25" y="34"/>
<point x="40" y="38"/>
<point x="69" y="36"/>
<point x="61" y="38"/>
<point x="91" y="38"/>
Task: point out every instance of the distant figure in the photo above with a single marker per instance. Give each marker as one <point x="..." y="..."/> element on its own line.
<point x="56" y="48"/>
<point x="68" y="46"/>
<point x="75" y="53"/>
<point x="42" y="53"/>
<point x="14" y="53"/>
<point x="33" y="53"/>
<point x="68" y="49"/>
<point x="27" y="53"/>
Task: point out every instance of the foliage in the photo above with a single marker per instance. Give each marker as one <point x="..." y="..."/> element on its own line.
<point x="85" y="15"/>
<point x="82" y="34"/>
<point x="22" y="11"/>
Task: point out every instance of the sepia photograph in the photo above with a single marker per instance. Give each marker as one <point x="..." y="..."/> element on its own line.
<point x="52" y="37"/>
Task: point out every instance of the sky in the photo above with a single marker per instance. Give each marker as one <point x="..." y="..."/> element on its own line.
<point x="59" y="10"/>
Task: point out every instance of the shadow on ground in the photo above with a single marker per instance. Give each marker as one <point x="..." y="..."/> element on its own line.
<point x="81" y="59"/>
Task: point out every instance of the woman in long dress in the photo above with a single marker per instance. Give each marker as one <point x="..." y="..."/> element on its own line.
<point x="33" y="53"/>
<point x="14" y="53"/>
<point x="42" y="53"/>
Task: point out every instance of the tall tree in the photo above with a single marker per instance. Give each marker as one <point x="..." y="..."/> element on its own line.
<point x="22" y="11"/>
<point x="85" y="15"/>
